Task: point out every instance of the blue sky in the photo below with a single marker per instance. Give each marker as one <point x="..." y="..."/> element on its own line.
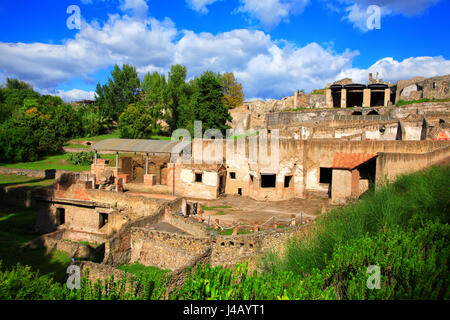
<point x="274" y="47"/>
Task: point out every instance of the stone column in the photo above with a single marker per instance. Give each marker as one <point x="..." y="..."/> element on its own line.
<point x="328" y="98"/>
<point x="366" y="97"/>
<point x="387" y="96"/>
<point x="295" y="99"/>
<point x="344" y="98"/>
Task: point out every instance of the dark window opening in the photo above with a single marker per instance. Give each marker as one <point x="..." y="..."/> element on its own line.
<point x="103" y="220"/>
<point x="434" y="85"/>
<point x="240" y="191"/>
<point x="382" y="128"/>
<point x="61" y="216"/>
<point x="373" y="113"/>
<point x="325" y="175"/>
<point x="336" y="99"/>
<point x="357" y="113"/>
<point x="377" y="98"/>
<point x="287" y="181"/>
<point x="354" y="99"/>
<point x="198" y="177"/>
<point x="251" y="178"/>
<point x="188" y="209"/>
<point x="232" y="175"/>
<point x="268" y="180"/>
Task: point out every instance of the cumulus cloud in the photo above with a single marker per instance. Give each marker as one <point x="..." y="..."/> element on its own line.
<point x="271" y="12"/>
<point x="267" y="68"/>
<point x="139" y="8"/>
<point x="200" y="5"/>
<point x="390" y="69"/>
<point x="75" y="95"/>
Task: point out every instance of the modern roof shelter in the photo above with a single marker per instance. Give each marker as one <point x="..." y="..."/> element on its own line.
<point x="140" y="145"/>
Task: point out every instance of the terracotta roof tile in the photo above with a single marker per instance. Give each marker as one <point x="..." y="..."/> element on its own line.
<point x="441" y="135"/>
<point x="351" y="160"/>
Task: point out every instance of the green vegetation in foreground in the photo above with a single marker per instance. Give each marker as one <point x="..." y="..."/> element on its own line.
<point x="23" y="181"/>
<point x="16" y="229"/>
<point x="404" y="103"/>
<point x="402" y="228"/>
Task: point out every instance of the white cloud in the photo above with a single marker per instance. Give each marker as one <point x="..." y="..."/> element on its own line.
<point x="75" y="94"/>
<point x="200" y="5"/>
<point x="139" y="8"/>
<point x="266" y="68"/>
<point x="393" y="70"/>
<point x="271" y="12"/>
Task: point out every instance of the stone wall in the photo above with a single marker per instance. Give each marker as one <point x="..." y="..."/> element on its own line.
<point x="390" y="165"/>
<point x="165" y="250"/>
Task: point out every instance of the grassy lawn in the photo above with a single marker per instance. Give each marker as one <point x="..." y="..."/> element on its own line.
<point x="60" y="162"/>
<point x="113" y="135"/>
<point x="138" y="268"/>
<point x="216" y="209"/>
<point x="16" y="229"/>
<point x="23" y="181"/>
<point x="77" y="146"/>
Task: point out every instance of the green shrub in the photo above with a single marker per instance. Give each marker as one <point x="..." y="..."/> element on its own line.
<point x="81" y="158"/>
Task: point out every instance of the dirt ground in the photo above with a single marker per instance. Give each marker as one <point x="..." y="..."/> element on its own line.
<point x="233" y="209"/>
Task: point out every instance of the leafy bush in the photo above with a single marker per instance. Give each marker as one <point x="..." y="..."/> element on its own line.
<point x="81" y="158"/>
<point x="409" y="202"/>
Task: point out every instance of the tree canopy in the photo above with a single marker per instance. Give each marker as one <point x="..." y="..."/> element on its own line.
<point x="233" y="94"/>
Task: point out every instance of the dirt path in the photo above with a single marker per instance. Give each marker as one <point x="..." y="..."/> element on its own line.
<point x="232" y="209"/>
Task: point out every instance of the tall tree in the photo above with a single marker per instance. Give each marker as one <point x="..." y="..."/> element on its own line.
<point x="207" y="102"/>
<point x="154" y="90"/>
<point x="178" y="96"/>
<point x="122" y="89"/>
<point x="17" y="84"/>
<point x="233" y="94"/>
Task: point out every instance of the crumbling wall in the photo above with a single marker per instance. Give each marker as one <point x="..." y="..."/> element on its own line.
<point x="163" y="249"/>
<point x="390" y="165"/>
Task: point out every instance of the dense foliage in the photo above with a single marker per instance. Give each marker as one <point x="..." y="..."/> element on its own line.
<point x="34" y="125"/>
<point x="81" y="158"/>
<point x="403" y="229"/>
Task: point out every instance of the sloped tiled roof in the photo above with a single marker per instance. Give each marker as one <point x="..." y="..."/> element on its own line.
<point x="351" y="160"/>
<point x="441" y="135"/>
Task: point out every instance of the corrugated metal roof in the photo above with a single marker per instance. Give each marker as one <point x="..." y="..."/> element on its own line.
<point x="140" y="145"/>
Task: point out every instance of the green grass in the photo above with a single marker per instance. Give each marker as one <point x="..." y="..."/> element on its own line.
<point x="318" y="91"/>
<point x="404" y="103"/>
<point x="23" y="181"/>
<point x="60" y="162"/>
<point x="216" y="209"/>
<point x="57" y="162"/>
<point x="409" y="202"/>
<point x="138" y="268"/>
<point x="113" y="135"/>
<point x="228" y="232"/>
<point x="16" y="229"/>
<point x="76" y="146"/>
